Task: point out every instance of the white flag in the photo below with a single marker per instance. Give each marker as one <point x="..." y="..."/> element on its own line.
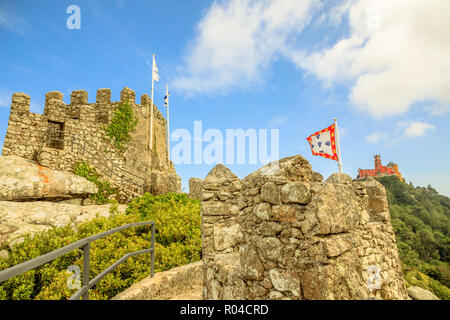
<point x="155" y="75"/>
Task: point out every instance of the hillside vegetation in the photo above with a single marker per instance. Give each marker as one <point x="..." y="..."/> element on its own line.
<point x="421" y="221"/>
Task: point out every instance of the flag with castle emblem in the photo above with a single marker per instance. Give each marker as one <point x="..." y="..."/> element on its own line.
<point x="323" y="143"/>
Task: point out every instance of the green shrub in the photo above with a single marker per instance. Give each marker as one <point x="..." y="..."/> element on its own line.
<point x="122" y="123"/>
<point x="105" y="191"/>
<point x="176" y="216"/>
<point x="178" y="242"/>
<point x="414" y="277"/>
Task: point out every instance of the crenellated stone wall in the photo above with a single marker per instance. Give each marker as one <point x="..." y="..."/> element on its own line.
<point x="195" y="188"/>
<point x="77" y="134"/>
<point x="290" y="235"/>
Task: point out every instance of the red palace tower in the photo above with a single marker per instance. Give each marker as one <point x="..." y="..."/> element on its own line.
<point x="380" y="170"/>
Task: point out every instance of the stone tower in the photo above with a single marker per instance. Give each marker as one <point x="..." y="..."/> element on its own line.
<point x="378" y="164"/>
<point x="68" y="133"/>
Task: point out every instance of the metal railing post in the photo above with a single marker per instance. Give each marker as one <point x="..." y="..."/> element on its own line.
<point x="152" y="268"/>
<point x="86" y="258"/>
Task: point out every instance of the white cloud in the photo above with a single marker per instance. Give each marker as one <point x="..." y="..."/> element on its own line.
<point x="3" y="102"/>
<point x="236" y="42"/>
<point x="335" y="14"/>
<point x="397" y="54"/>
<point x="13" y="22"/>
<point x="376" y="137"/>
<point x="278" y="120"/>
<point x="417" y="129"/>
<point x="5" y="98"/>
<point x="404" y="130"/>
<point x="342" y="131"/>
<point x="438" y="108"/>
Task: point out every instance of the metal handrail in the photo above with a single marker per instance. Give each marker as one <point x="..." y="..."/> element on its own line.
<point x="85" y="243"/>
<point x="110" y="168"/>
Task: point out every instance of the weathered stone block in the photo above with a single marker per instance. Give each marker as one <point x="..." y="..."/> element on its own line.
<point x="269" y="229"/>
<point x="216" y="208"/>
<point x="103" y="96"/>
<point x="270" y="194"/>
<point x="79" y="97"/>
<point x="251" y="266"/>
<point x="128" y="95"/>
<point x="284" y="280"/>
<point x="262" y="211"/>
<point x="52" y="95"/>
<point x="296" y="192"/>
<point x="225" y="237"/>
<point x="20" y="103"/>
<point x="195" y="188"/>
<point x="270" y="247"/>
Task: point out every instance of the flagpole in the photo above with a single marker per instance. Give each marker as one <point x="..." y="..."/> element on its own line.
<point x="151" y="112"/>
<point x="337" y="145"/>
<point x="168" y="128"/>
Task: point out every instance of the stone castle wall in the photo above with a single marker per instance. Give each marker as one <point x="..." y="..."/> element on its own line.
<point x="195" y="188"/>
<point x="65" y="134"/>
<point x="288" y="235"/>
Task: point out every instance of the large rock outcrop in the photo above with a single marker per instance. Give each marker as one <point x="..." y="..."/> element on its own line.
<point x="180" y="283"/>
<point x="35" y="199"/>
<point x="20" y="218"/>
<point x="22" y="180"/>
<point x="285" y="234"/>
<point x="418" y="293"/>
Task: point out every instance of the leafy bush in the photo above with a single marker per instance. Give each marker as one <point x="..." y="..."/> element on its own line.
<point x="177" y="236"/>
<point x="122" y="123"/>
<point x="176" y="217"/>
<point x="414" y="277"/>
<point x="105" y="191"/>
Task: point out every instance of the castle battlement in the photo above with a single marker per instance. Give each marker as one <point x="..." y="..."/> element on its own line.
<point x="79" y="107"/>
<point x="29" y="134"/>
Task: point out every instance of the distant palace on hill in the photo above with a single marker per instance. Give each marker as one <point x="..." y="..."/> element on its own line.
<point x="380" y="170"/>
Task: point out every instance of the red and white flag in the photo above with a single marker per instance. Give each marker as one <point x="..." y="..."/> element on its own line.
<point x="323" y="143"/>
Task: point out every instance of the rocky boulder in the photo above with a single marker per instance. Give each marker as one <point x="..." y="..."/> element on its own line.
<point x="22" y="180"/>
<point x="417" y="293"/>
<point x="20" y="218"/>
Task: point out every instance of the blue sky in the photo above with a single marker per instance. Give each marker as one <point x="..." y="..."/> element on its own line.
<point x="382" y="68"/>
